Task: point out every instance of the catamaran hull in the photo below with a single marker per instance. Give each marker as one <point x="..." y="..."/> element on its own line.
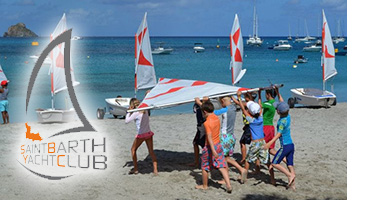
<point x="282" y="48"/>
<point x="313" y="97"/>
<point x="55" y="116"/>
<point x="117" y="109"/>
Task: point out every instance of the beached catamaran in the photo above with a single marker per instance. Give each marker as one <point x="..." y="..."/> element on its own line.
<point x="236" y="45"/>
<point x="316" y="97"/>
<point x="58" y="81"/>
<point x="144" y="72"/>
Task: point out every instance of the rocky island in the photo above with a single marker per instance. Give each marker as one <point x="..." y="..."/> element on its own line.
<point x="19" y="30"/>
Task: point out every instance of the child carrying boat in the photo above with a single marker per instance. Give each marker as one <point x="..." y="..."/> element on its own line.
<point x="144" y="134"/>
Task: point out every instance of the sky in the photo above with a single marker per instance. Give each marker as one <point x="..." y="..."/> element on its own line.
<point x="174" y="17"/>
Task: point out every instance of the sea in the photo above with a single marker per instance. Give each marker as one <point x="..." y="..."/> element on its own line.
<point x="104" y="66"/>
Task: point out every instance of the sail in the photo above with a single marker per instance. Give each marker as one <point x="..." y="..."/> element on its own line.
<point x="57" y="70"/>
<point x="236" y="51"/>
<point x="2" y="75"/>
<point x="328" y="53"/>
<point x="172" y="92"/>
<point x="144" y="67"/>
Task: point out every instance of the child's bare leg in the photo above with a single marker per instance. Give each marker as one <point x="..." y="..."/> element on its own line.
<point x="290" y="176"/>
<point x="4" y="117"/>
<point x="149" y="143"/>
<point x="244" y="152"/>
<point x="291" y="169"/>
<point x="7" y="117"/>
<point x="196" y="153"/>
<point x="204" y="186"/>
<point x="257" y="166"/>
<point x="224" y="172"/>
<point x="271" y="172"/>
<point x="238" y="167"/>
<point x="136" y="144"/>
<point x="272" y="152"/>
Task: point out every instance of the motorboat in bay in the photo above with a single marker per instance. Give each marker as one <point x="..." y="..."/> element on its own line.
<point x="161" y="50"/>
<point x="282" y="45"/>
<point x="198" y="47"/>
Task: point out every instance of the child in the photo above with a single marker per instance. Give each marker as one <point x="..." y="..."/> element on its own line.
<point x="256" y="152"/>
<point x="4" y="101"/>
<point x="287" y="146"/>
<point x="144" y="135"/>
<point x="246" y="135"/>
<point x="227" y="138"/>
<point x="212" y="155"/>
<point x="199" y="139"/>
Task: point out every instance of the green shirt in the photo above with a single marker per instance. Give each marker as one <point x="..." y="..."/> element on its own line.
<point x="269" y="112"/>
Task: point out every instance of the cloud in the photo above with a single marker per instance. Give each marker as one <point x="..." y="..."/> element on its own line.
<point x="148" y="5"/>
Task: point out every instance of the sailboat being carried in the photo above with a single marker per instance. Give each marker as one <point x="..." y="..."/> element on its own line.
<point x="2" y="75"/>
<point x="144" y="72"/>
<point x="317" y="97"/>
<point x="254" y="39"/>
<point x="58" y="81"/>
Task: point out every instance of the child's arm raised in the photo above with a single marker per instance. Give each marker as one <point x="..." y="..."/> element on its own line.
<point x="259" y="102"/>
<point x="235" y="100"/>
<point x="244" y="111"/>
<point x="278" y="93"/>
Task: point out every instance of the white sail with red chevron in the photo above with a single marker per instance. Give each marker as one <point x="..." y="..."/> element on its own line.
<point x="2" y="75"/>
<point x="144" y="67"/>
<point x="58" y="80"/>
<point x="236" y="44"/>
<point x="172" y="92"/>
<point x="328" y="53"/>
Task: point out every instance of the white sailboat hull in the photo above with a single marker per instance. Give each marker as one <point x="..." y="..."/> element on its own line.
<point x="55" y="115"/>
<point x="313" y="97"/>
<point x="117" y="106"/>
<point x="254" y="41"/>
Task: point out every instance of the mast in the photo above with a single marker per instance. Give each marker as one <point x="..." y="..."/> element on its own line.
<point x="254" y="23"/>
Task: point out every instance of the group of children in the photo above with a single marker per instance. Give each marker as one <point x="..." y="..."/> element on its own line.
<point x="217" y="139"/>
<point x="259" y="133"/>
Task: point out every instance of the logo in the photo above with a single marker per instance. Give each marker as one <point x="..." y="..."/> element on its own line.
<point x="59" y="151"/>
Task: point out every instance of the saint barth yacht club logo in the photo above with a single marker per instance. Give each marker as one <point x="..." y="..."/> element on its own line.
<point x="60" y="155"/>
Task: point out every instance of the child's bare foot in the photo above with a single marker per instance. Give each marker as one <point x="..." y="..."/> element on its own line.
<point x="291" y="180"/>
<point x="243" y="177"/>
<point x="155" y="172"/>
<point x="201" y="187"/>
<point x="133" y="171"/>
<point x="222" y="182"/>
<point x="229" y="189"/>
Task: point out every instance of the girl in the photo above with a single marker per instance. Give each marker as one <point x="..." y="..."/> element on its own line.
<point x="141" y="119"/>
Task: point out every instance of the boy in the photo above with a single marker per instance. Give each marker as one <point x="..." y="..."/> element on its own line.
<point x="4" y="101"/>
<point x="256" y="152"/>
<point x="287" y="146"/>
<point x="212" y="155"/>
<point x="227" y="138"/>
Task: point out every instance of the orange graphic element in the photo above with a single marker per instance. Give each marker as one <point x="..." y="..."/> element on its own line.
<point x="31" y="136"/>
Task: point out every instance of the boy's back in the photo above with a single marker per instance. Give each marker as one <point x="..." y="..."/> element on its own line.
<point x="212" y="125"/>
<point x="283" y="127"/>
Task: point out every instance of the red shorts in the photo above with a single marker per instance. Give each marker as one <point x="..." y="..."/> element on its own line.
<point x="269" y="132"/>
<point x="208" y="161"/>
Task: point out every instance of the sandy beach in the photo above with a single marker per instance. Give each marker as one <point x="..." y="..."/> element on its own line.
<point x="320" y="137"/>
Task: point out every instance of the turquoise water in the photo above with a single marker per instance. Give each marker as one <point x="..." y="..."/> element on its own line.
<point x="105" y="68"/>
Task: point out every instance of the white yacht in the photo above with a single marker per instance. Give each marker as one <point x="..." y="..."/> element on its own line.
<point x="316" y="47"/>
<point x="282" y="45"/>
<point x="198" y="47"/>
<point x="254" y="40"/>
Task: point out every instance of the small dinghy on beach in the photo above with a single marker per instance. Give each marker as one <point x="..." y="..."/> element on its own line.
<point x="144" y="73"/>
<point x="317" y="97"/>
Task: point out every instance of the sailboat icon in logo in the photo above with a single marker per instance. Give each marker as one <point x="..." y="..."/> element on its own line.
<point x="62" y="78"/>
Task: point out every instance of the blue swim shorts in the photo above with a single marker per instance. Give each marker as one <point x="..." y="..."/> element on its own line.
<point x="4" y="105"/>
<point x="285" y="151"/>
